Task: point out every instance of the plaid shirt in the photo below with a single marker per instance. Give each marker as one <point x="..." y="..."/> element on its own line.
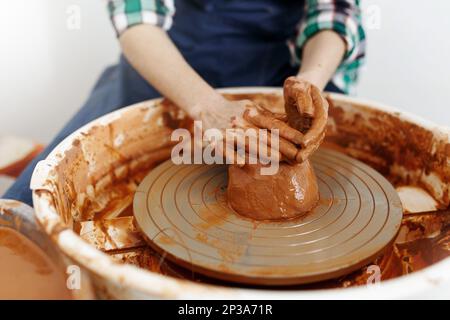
<point x="341" y="16"/>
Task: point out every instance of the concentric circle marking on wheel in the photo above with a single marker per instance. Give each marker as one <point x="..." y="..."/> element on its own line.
<point x="182" y="210"/>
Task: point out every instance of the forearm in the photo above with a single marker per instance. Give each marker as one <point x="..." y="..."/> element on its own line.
<point x="151" y="52"/>
<point x="321" y="56"/>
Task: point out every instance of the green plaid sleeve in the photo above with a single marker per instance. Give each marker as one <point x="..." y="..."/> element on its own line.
<point x="127" y="13"/>
<point x="344" y="17"/>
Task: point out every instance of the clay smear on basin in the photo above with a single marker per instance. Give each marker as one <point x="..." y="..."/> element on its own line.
<point x="26" y="272"/>
<point x="94" y="197"/>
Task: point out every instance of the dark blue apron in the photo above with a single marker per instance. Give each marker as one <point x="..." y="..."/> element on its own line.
<point x="228" y="42"/>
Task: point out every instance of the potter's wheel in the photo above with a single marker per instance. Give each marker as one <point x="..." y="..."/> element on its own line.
<point x="182" y="209"/>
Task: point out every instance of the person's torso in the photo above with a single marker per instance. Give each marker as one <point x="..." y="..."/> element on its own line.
<point x="237" y="42"/>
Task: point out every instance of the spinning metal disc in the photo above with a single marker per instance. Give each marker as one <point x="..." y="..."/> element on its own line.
<point x="182" y="210"/>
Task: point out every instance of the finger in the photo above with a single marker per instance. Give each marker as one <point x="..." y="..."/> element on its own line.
<point x="305" y="102"/>
<point x="317" y="99"/>
<point x="305" y="106"/>
<point x="265" y="122"/>
<point x="240" y="122"/>
<point x="284" y="148"/>
<point x="268" y="150"/>
<point x="251" y="142"/>
<point x="298" y="104"/>
<point x="230" y="155"/>
<point x="304" y="154"/>
<point x="240" y="140"/>
<point x="315" y="136"/>
<point x="290" y="104"/>
<point x="319" y="122"/>
<point x="237" y="158"/>
<point x="279" y="116"/>
<point x="288" y="149"/>
<point x="298" y="94"/>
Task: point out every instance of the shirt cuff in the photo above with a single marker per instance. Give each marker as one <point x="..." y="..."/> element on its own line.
<point x="343" y="17"/>
<point x="125" y="14"/>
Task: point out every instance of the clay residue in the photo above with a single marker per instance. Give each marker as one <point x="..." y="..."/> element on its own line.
<point x="423" y="240"/>
<point x="213" y="215"/>
<point x="26" y="272"/>
<point x="148" y="259"/>
<point x="112" y="234"/>
<point x="99" y="173"/>
<point x="403" y="152"/>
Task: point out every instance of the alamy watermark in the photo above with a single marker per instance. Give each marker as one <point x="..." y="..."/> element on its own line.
<point x="73" y="21"/>
<point x="73" y="281"/>
<point x="372" y="17"/>
<point x="230" y="146"/>
<point x="375" y="275"/>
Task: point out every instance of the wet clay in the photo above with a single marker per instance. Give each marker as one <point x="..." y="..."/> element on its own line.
<point x="90" y="177"/>
<point x="291" y="192"/>
<point x="26" y="272"/>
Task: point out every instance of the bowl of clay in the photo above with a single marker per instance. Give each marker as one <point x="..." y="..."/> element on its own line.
<point x="84" y="190"/>
<point x="42" y="272"/>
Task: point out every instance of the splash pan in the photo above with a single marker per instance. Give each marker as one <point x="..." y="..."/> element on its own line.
<point x="83" y="195"/>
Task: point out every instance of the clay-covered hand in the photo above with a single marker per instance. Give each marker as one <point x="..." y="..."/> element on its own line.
<point x="301" y="128"/>
<point x="238" y="117"/>
<point x="307" y="111"/>
<point x="303" y="125"/>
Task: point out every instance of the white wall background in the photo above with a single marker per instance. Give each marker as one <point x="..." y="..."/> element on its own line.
<point x="47" y="68"/>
